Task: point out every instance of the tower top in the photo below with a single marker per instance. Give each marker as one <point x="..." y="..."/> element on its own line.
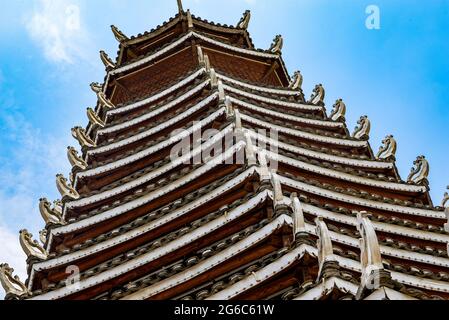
<point x="180" y="8"/>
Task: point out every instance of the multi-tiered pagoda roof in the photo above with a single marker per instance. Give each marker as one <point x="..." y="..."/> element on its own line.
<point x="333" y="221"/>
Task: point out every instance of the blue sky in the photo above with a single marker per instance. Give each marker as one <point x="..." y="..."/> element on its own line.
<point x="397" y="75"/>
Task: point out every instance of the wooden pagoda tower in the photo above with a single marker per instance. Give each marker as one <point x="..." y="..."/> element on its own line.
<point x="309" y="212"/>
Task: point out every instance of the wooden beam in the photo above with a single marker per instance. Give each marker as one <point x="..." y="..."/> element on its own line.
<point x="272" y="69"/>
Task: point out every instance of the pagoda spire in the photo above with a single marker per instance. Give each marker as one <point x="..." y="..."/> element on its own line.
<point x="180" y="8"/>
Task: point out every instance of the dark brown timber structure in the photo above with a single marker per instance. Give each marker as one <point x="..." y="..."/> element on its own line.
<point x="334" y="221"/>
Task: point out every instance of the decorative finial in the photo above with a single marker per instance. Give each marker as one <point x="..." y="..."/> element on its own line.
<point x="299" y="226"/>
<point x="445" y="198"/>
<point x="371" y="258"/>
<point x="281" y="204"/>
<point x="51" y="216"/>
<point x="238" y="119"/>
<point x="180" y="8"/>
<point x="244" y="21"/>
<point x="201" y="61"/>
<point x="11" y="284"/>
<point x="363" y="129"/>
<point x="318" y="95"/>
<point x="75" y="160"/>
<point x="420" y="171"/>
<point x="238" y="128"/>
<point x="72" y="178"/>
<point x="57" y="205"/>
<point x="230" y="112"/>
<point x="444" y="203"/>
<point x="84" y="140"/>
<point x="43" y="234"/>
<point x="207" y="62"/>
<point x="120" y="36"/>
<point x="250" y="151"/>
<point x="277" y="189"/>
<point x="297" y="80"/>
<point x="277" y="45"/>
<point x="339" y="111"/>
<point x="388" y="149"/>
<point x="31" y="247"/>
<point x="65" y="189"/>
<point x="104" y="102"/>
<point x="106" y="60"/>
<point x="221" y="92"/>
<point x="94" y="119"/>
<point x="265" y="175"/>
<point x="189" y="20"/>
<point x="324" y="244"/>
<point x="213" y="78"/>
<point x="96" y="87"/>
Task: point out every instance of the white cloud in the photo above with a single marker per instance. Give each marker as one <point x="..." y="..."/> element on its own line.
<point x="27" y="173"/>
<point x="56" y="26"/>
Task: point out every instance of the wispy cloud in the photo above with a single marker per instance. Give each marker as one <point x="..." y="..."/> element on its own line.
<point x="29" y="160"/>
<point x="28" y="170"/>
<point x="56" y="26"/>
<point x="25" y="176"/>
